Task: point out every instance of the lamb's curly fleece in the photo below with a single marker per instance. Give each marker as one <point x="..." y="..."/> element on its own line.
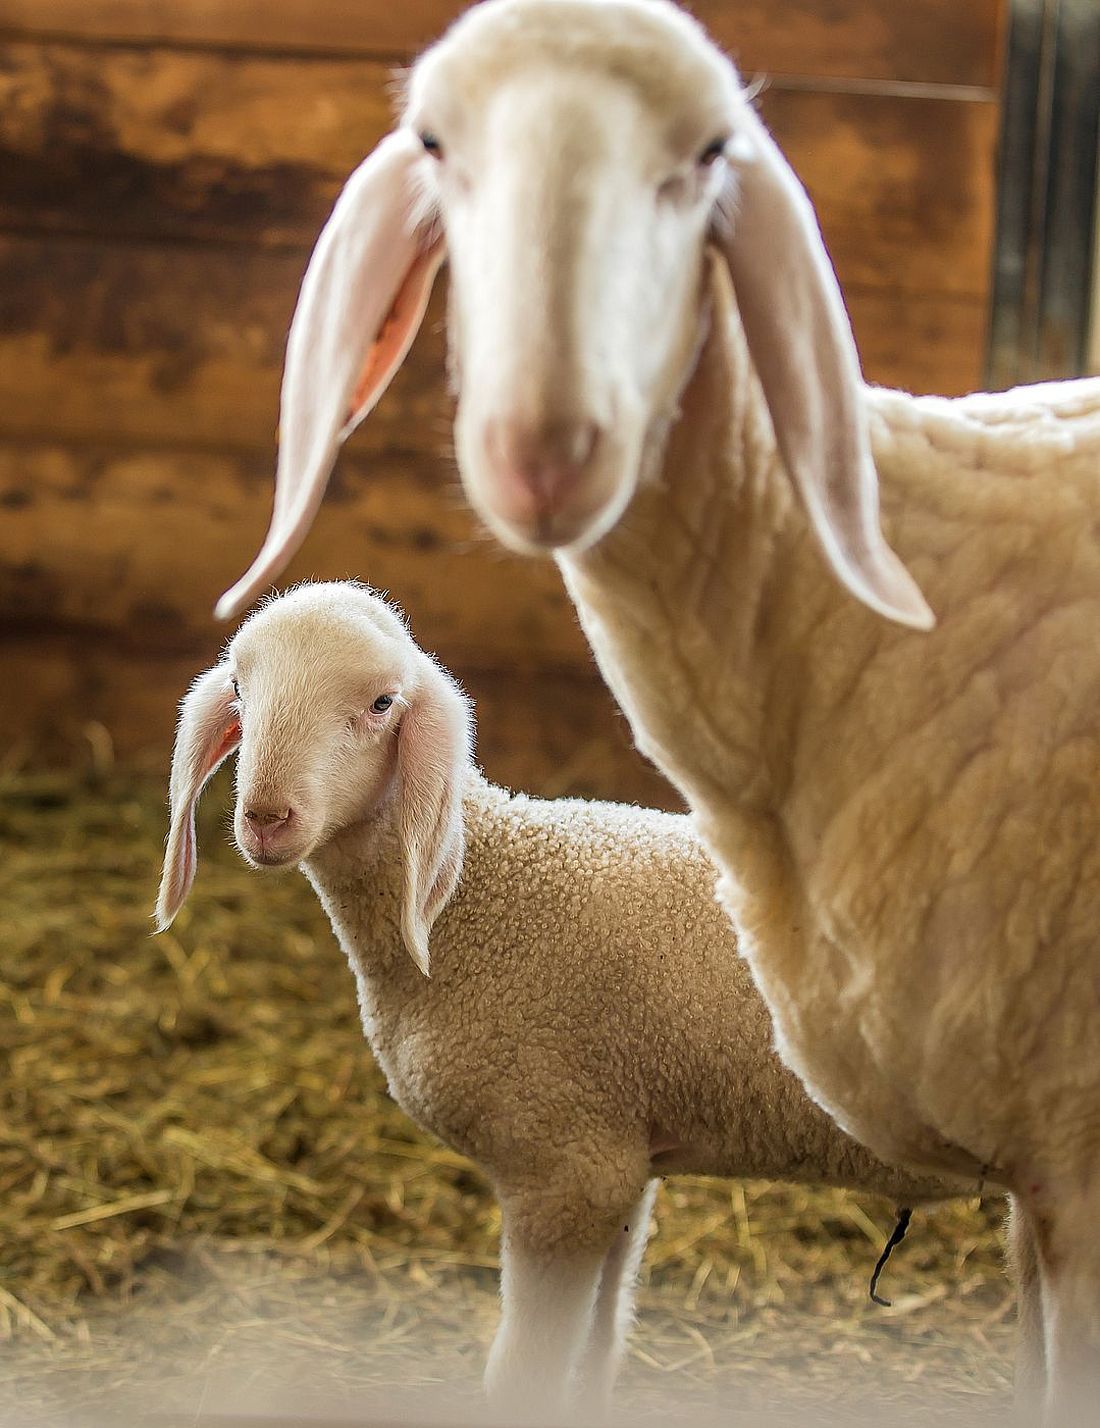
<point x="587" y="1022"/>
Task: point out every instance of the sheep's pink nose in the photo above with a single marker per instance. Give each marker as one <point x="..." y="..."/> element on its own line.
<point x="539" y="467"/>
<point x="267" y="820"/>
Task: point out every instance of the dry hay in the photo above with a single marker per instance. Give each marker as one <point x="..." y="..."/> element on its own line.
<point x="198" y="1160"/>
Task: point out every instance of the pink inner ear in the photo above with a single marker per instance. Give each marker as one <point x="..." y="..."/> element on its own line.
<point x="231" y="737"/>
<point x="394" y="335"/>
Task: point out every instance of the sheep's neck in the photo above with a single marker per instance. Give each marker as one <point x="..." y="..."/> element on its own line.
<point x="711" y="696"/>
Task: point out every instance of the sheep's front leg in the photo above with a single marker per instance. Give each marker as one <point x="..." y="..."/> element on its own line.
<point x="614" y="1313"/>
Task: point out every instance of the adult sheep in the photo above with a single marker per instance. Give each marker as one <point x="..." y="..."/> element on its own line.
<point x="658" y="382"/>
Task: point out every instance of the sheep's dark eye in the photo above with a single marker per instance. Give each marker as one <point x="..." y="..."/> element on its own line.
<point x="236" y="689"/>
<point x="431" y="145"/>
<point x="712" y="153"/>
<point x="382" y="703"/>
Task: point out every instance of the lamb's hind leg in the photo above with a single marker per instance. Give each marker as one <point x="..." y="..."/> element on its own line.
<point x="614" y="1312"/>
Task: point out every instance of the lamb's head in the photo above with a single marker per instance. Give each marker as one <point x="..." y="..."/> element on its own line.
<point x="576" y="159"/>
<point x="336" y="717"/>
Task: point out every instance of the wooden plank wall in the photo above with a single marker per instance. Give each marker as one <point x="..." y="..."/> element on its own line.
<point x="164" y="168"/>
<point x="1094" y="339"/>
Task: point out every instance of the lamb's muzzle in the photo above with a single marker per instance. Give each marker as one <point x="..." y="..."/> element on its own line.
<point x="264" y="834"/>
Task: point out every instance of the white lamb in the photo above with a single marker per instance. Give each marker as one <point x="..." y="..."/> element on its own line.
<point x="587" y="1024"/>
<point x="657" y="380"/>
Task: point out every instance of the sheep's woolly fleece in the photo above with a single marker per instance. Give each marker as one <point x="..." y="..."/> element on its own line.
<point x="907" y="821"/>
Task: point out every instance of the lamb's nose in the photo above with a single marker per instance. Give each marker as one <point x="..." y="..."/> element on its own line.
<point x="267" y="820"/>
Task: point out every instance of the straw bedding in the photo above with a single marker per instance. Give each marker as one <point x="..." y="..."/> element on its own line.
<point x="199" y="1166"/>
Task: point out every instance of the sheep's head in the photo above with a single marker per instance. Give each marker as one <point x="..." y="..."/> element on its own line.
<point x="335" y="715"/>
<point x="574" y="159"/>
<point x="575" y="182"/>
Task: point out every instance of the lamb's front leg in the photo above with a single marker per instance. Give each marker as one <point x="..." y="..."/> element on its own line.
<point x="555" y="1240"/>
<point x="547" y="1299"/>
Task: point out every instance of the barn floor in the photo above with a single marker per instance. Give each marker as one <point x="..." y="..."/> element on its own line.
<point x="209" y="1206"/>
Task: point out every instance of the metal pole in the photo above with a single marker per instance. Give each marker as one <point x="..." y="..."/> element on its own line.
<point x="1047" y="190"/>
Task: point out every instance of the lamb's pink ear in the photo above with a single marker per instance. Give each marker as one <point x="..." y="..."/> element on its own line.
<point x="805" y="356"/>
<point x="209" y="730"/>
<point x="362" y="301"/>
<point x="434" y="749"/>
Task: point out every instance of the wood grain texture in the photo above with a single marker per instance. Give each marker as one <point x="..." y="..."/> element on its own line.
<point x="925" y="345"/>
<point x="904" y="188"/>
<point x="174" y="346"/>
<point x="929" y="41"/>
<point x="160" y="145"/>
<point x="71" y="698"/>
<point x="141" y="544"/>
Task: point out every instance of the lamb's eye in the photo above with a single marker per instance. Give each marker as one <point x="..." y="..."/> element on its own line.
<point x="236" y="689"/>
<point x="714" y="151"/>
<point x="382" y="703"/>
<point x="431" y="145"/>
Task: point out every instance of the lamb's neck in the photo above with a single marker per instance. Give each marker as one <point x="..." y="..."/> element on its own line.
<point x="357" y="877"/>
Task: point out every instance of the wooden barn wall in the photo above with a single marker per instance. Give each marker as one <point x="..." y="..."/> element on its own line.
<point x="164" y="167"/>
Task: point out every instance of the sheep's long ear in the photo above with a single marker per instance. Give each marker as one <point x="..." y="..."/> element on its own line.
<point x="362" y="301"/>
<point x="209" y="730"/>
<point x="434" y="748"/>
<point x="805" y="356"/>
